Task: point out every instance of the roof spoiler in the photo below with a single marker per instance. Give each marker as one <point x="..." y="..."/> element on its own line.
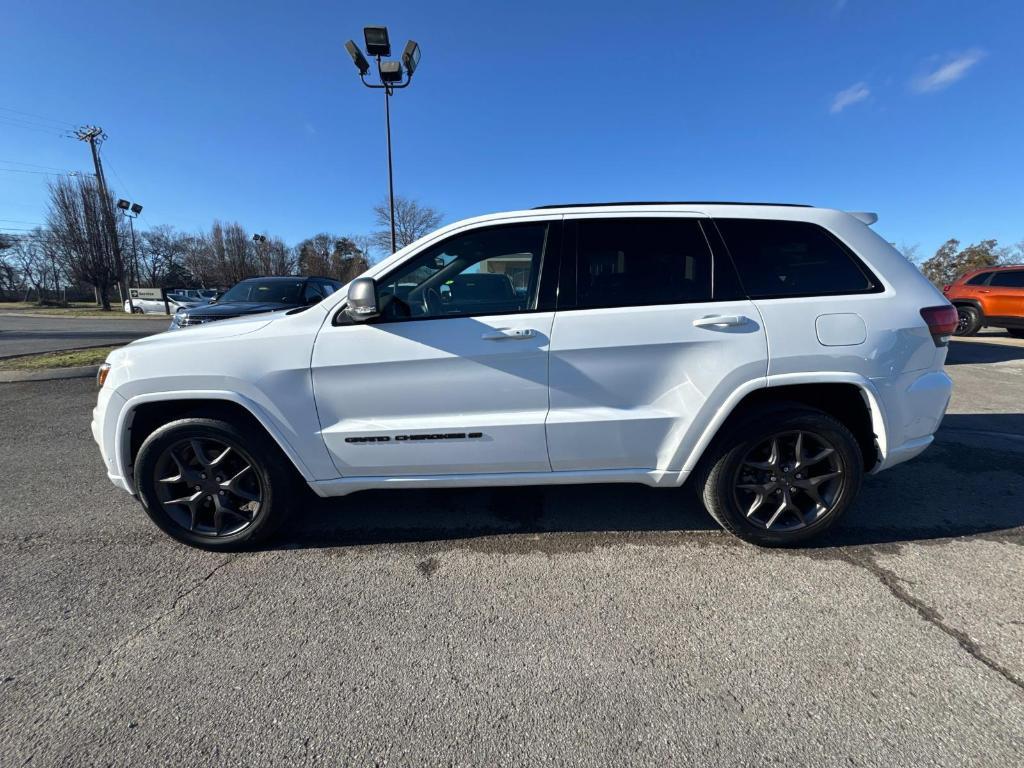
<point x="867" y="218"/>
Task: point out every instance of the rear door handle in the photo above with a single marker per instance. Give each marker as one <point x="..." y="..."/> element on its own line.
<point x="510" y="333"/>
<point x="710" y="321"/>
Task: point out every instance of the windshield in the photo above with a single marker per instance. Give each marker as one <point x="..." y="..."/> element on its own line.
<point x="274" y="291"/>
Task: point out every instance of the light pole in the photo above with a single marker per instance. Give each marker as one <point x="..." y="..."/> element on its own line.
<point x="378" y="45"/>
<point x="131" y="212"/>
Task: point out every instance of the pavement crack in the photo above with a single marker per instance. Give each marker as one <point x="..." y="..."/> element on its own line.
<point x="127" y="642"/>
<point x="897" y="587"/>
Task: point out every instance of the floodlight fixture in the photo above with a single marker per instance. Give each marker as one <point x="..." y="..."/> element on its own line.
<point x="357" y="57"/>
<point x="390" y="72"/>
<point x="124" y="205"/>
<point x="259" y="238"/>
<point x="411" y="56"/>
<point x="136" y="209"/>
<point x="377" y="42"/>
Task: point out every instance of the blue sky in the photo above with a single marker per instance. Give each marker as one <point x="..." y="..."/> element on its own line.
<point x="253" y="112"/>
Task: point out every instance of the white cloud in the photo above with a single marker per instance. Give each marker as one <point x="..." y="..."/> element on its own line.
<point x="954" y="69"/>
<point x="853" y="94"/>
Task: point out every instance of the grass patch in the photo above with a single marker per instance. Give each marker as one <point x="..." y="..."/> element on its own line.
<point x="71" y="358"/>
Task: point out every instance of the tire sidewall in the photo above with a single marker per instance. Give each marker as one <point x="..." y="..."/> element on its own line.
<point x="251" y="446"/>
<point x="973" y="320"/>
<point x="719" y="486"/>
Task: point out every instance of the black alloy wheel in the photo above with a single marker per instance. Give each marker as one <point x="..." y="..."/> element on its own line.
<point x="208" y="486"/>
<point x="781" y="474"/>
<point x="789" y="481"/>
<point x="214" y="484"/>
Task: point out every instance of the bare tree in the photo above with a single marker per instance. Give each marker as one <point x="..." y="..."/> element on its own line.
<point x="412" y="221"/>
<point x="81" y="238"/>
<point x="273" y="257"/>
<point x="331" y="256"/>
<point x="30" y="261"/>
<point x="910" y="251"/>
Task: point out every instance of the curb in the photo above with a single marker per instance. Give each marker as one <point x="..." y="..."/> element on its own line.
<point x="49" y="374"/>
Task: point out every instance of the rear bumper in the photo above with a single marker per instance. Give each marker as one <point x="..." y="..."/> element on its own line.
<point x="914" y="405"/>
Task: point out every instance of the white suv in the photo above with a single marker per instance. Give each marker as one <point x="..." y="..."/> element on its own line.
<point x="773" y="353"/>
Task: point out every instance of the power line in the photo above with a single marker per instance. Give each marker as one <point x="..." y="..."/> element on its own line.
<point x="38" y="117"/>
<point x="34" y="165"/>
<point x="45" y="173"/>
<point x="52" y="131"/>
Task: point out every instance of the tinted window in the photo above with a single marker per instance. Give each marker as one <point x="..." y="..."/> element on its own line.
<point x="635" y="262"/>
<point x="312" y="293"/>
<point x="278" y="291"/>
<point x="482" y="272"/>
<point x="978" y="279"/>
<point x="1013" y="279"/>
<point x="791" y="258"/>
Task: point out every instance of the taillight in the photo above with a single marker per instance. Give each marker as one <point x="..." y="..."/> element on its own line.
<point x="945" y="288"/>
<point x="941" y="322"/>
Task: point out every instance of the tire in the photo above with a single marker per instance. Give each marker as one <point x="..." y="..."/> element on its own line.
<point x="250" y="506"/>
<point x="1017" y="333"/>
<point x="969" y="321"/>
<point x="727" y="478"/>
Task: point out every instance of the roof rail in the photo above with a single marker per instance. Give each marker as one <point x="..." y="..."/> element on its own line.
<point x="666" y="202"/>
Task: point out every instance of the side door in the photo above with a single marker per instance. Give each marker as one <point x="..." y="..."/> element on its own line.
<point x="452" y="378"/>
<point x="652" y="335"/>
<point x="1005" y="297"/>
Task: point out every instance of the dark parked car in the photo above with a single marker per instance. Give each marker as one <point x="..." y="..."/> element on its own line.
<point x="258" y="294"/>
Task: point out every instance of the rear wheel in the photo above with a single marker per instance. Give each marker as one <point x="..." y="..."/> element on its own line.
<point x="212" y="484"/>
<point x="787" y="476"/>
<point x="968" y="321"/>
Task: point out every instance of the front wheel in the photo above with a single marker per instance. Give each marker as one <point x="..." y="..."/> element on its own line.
<point x="212" y="484"/>
<point x="787" y="476"/>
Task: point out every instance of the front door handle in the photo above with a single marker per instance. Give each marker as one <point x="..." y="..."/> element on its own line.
<point x="711" y="321"/>
<point x="510" y="333"/>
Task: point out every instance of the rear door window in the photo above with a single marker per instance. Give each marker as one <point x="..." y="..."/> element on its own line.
<point x="640" y="262"/>
<point x="777" y="259"/>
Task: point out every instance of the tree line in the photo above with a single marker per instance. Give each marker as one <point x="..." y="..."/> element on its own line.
<point x="76" y="250"/>
<point x="950" y="260"/>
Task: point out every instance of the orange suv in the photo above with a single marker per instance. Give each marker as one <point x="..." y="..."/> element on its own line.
<point x="989" y="297"/>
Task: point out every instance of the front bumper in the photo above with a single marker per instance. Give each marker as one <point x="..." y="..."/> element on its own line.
<point x="105" y="418"/>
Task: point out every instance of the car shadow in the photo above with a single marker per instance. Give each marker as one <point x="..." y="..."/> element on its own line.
<point x="970" y="482"/>
<point x="972" y="352"/>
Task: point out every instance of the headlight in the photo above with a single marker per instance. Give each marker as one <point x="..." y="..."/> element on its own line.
<point x="101" y="375"/>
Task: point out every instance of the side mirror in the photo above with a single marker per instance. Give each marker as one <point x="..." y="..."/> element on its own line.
<point x="362" y="300"/>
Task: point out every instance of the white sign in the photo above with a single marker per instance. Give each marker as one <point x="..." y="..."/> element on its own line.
<point x="147" y="293"/>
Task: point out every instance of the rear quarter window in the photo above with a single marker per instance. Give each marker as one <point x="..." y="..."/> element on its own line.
<point x="1009" y="279"/>
<point x="978" y="279"/>
<point x="776" y="259"/>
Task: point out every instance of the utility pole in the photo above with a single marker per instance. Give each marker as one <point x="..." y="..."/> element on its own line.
<point x="95" y="136"/>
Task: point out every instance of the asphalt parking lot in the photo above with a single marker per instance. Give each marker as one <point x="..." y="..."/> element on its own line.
<point x="603" y="625"/>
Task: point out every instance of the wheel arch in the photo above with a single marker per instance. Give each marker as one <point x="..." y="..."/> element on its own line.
<point x="145" y="413"/>
<point x="969" y="303"/>
<point x="849" y="398"/>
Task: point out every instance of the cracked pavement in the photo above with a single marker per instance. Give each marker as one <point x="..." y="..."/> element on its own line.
<point x="590" y="625"/>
